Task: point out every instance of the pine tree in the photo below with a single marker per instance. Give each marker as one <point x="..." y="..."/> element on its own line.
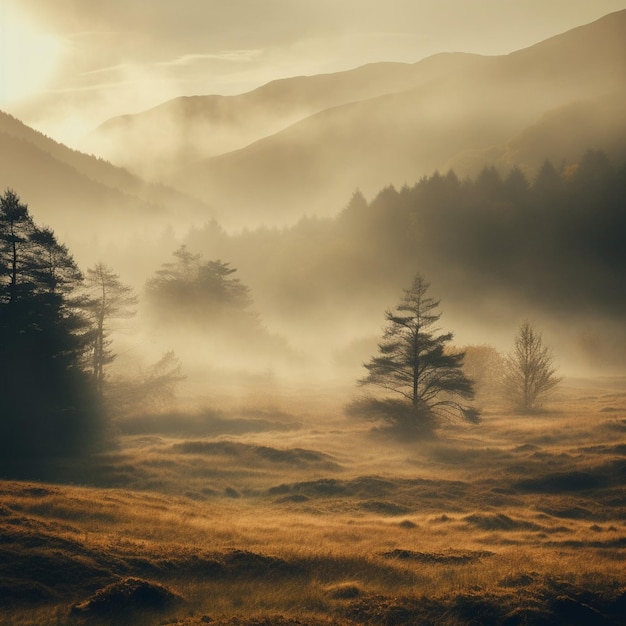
<point x="47" y="405"/>
<point x="16" y="229"/>
<point x="413" y="363"/>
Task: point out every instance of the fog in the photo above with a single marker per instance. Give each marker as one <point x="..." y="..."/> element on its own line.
<point x="307" y="302"/>
<point x="308" y="203"/>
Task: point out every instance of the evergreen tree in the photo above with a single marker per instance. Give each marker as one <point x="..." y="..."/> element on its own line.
<point x="414" y="364"/>
<point x="204" y="293"/>
<point x="547" y="182"/>
<point x="47" y="405"/>
<point x="16" y="229"/>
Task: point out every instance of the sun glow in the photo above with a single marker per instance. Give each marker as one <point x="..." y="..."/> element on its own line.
<point x="28" y="56"/>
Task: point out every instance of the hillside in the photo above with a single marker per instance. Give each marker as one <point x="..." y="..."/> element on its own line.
<point x="86" y="199"/>
<point x="598" y="122"/>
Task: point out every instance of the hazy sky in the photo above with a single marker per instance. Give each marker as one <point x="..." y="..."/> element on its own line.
<point x="67" y="65"/>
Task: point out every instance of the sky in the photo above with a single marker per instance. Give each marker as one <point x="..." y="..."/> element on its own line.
<point x="68" y="65"/>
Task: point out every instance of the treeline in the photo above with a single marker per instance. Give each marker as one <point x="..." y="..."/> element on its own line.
<point x="555" y="241"/>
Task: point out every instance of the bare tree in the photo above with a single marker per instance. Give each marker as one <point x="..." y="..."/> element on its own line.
<point x="413" y="363"/>
<point x="529" y="373"/>
<point x="110" y="299"/>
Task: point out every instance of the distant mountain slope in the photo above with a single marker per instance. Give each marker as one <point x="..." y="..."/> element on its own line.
<point x="97" y="169"/>
<point x="314" y="165"/>
<point x="561" y="133"/>
<point x="85" y="199"/>
<point x="188" y="128"/>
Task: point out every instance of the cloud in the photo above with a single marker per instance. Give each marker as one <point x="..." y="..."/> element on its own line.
<point x="237" y="56"/>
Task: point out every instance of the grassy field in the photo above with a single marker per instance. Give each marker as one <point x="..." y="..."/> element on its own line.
<point x="282" y="512"/>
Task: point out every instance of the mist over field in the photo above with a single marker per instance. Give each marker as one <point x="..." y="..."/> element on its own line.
<point x="316" y="322"/>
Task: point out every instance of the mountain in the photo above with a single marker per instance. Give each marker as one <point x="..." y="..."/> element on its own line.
<point x="303" y="145"/>
<point x="88" y="201"/>
<point x="314" y="165"/>
<point x="186" y="129"/>
<point x="560" y="134"/>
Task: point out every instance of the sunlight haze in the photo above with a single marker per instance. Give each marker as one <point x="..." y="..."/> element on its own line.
<point x="123" y="57"/>
<point x="30" y="56"/>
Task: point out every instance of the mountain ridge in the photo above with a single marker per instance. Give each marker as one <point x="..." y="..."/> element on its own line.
<point x="396" y="138"/>
<point x="259" y="113"/>
<point x="98" y="169"/>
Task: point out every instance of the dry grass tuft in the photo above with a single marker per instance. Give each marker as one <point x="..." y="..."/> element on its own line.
<point x="345" y="591"/>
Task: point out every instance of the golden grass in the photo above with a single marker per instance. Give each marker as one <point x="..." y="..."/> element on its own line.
<point x="518" y="520"/>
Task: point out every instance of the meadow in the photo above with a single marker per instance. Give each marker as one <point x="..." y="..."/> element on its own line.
<point x="280" y="509"/>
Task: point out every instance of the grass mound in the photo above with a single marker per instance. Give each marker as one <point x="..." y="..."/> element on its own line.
<point x="127" y="596"/>
<point x="208" y="422"/>
<point x="344" y="591"/>
<point x="16" y="591"/>
<point x="245" y="563"/>
<point x="384" y="508"/>
<point x="444" y="558"/>
<point x="613" y="473"/>
<point x="499" y="521"/>
<point x="487" y="609"/>
<point x="296" y="457"/>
